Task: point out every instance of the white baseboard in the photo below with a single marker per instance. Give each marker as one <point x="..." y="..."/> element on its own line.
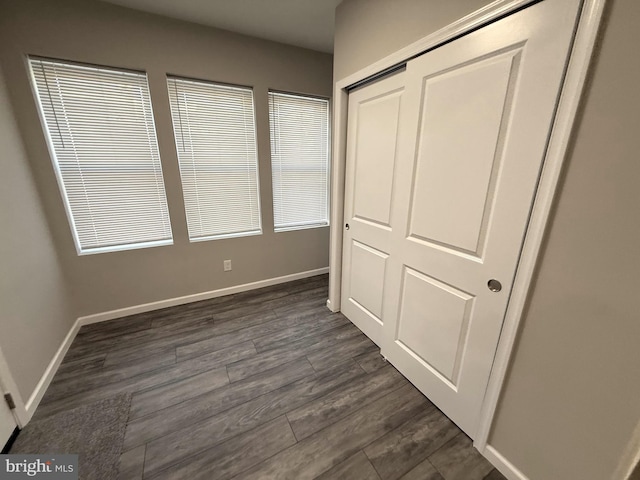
<point x="196" y="297"/>
<point x="502" y="464"/>
<point x="52" y="368"/>
<point x="330" y="306"/>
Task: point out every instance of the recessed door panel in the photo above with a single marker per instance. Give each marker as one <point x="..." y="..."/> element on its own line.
<point x="375" y="156"/>
<point x="367" y="278"/>
<point x="433" y="323"/>
<point x="462" y="124"/>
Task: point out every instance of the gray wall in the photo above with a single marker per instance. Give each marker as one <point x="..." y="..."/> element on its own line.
<point x="369" y="30"/>
<point x="35" y="309"/>
<point x="101" y="33"/>
<point x="573" y="395"/>
<point x="571" y="399"/>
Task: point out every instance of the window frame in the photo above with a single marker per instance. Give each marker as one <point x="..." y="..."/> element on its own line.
<point x="55" y="163"/>
<point x="303" y="225"/>
<point x="220" y="236"/>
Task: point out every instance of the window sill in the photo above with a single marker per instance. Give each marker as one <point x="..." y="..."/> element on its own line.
<point x="300" y="227"/>
<point x="120" y="248"/>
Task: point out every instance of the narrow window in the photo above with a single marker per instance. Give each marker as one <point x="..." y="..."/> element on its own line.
<point x="299" y="160"/>
<point x="102" y="139"/>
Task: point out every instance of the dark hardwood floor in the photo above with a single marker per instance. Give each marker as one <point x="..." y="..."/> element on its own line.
<point x="267" y="384"/>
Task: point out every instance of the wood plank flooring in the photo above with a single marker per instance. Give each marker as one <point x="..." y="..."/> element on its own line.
<point x="267" y="384"/>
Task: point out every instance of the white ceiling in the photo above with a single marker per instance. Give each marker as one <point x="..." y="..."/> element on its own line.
<point x="304" y="23"/>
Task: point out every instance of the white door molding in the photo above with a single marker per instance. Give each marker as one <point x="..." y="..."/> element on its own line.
<point x="630" y="462"/>
<point x="571" y="94"/>
<point x="9" y="386"/>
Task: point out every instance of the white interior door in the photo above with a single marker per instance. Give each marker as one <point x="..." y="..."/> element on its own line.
<point x="442" y="167"/>
<point x="478" y="113"/>
<point x="374" y="113"/>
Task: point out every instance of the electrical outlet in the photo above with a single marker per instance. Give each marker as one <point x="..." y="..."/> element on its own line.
<point x="227" y="265"/>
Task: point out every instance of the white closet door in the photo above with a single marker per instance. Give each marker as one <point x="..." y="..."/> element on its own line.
<point x="442" y="169"/>
<point x="374" y="112"/>
<point x="472" y="142"/>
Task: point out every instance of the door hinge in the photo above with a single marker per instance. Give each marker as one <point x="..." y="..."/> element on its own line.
<point x="9" y="399"/>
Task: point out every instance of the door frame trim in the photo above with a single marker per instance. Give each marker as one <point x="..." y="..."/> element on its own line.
<point x="8" y="385"/>
<point x="570" y="98"/>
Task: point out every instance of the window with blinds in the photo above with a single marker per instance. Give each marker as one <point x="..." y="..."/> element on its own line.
<point x="102" y="140"/>
<point x="215" y="133"/>
<point x="299" y="160"/>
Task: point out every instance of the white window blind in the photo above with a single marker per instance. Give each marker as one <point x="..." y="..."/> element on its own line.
<point x="102" y="138"/>
<point x="215" y="134"/>
<point x="299" y="160"/>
